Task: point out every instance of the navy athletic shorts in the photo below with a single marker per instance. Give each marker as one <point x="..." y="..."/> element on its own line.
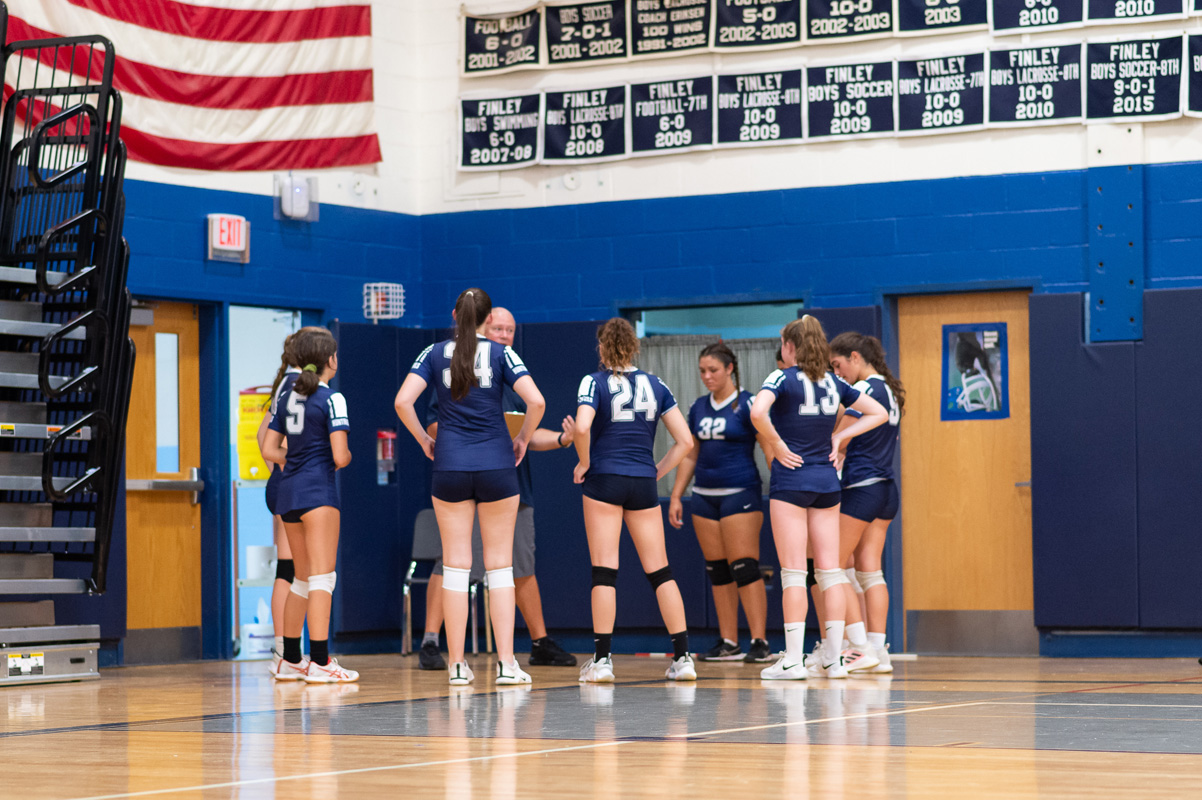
<point x="716" y="507"/>
<point x="872" y="502"/>
<point x="273" y="488"/>
<point x="632" y="494"/>
<point x="807" y="499"/>
<point x="483" y="486"/>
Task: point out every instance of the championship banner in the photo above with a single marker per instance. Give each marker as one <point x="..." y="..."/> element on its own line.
<point x="759" y="108"/>
<point x="1020" y="16"/>
<point x="1194" y="71"/>
<point x="660" y="28"/>
<point x="848" y="20"/>
<point x="1135" y="80"/>
<point x="584" y="126"/>
<point x="976" y="372"/>
<point x="941" y="95"/>
<point x="493" y="45"/>
<point x="500" y="132"/>
<point x="850" y="101"/>
<point x="921" y="17"/>
<point x="586" y="33"/>
<point x="756" y="24"/>
<point x="1125" y="11"/>
<point x="1035" y="86"/>
<point x="671" y="116"/>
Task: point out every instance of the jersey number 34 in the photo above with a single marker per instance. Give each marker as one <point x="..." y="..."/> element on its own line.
<point x="642" y="394"/>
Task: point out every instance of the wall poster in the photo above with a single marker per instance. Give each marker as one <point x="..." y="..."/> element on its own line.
<point x="976" y="379"/>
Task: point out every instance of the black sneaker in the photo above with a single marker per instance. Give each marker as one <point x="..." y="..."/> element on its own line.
<point x="723" y="651"/>
<point x="758" y="653"/>
<point x="546" y="653"/>
<point x="429" y="657"/>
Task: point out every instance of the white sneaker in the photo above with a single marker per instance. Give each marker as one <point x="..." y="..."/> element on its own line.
<point x="884" y="665"/>
<point x="836" y="669"/>
<point x="784" y="670"/>
<point x="860" y="659"/>
<point x="598" y="670"/>
<point x="510" y="674"/>
<point x="813" y="661"/>
<point x="287" y="671"/>
<point x="330" y="673"/>
<point x="276" y="658"/>
<point x="682" y="669"/>
<point x="460" y="674"/>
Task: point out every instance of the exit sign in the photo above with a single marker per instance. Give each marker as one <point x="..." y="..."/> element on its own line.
<point x="229" y="238"/>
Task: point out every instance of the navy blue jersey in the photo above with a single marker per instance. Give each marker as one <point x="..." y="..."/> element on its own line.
<point x="308" y="479"/>
<point x="870" y="455"/>
<point x="804" y="415"/>
<point x="727" y="455"/>
<point x="511" y="402"/>
<point x="286" y="382"/>
<point x="623" y="432"/>
<point x="472" y="435"/>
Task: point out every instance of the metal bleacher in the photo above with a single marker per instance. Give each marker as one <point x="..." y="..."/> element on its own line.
<point x="66" y="361"/>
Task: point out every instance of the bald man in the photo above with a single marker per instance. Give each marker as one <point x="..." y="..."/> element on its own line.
<point x="544" y="652"/>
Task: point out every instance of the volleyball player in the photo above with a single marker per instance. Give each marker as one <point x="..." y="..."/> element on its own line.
<point x="727" y="505"/>
<point x="617" y="410"/>
<point x="796" y="410"/>
<point x="285" y="376"/>
<point x="544" y="651"/>
<point x="474" y="469"/>
<point x="870" y="496"/>
<point x="314" y="419"/>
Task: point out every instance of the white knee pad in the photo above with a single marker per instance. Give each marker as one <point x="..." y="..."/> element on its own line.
<point x="300" y="588"/>
<point x="792" y="578"/>
<point x="828" y="578"/>
<point x="455" y="579"/>
<point x="323" y="583"/>
<point x="499" y="578"/>
<point x="851" y="578"/>
<point x="870" y="579"/>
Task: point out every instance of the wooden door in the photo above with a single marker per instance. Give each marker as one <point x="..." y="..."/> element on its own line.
<point x="163" y="443"/>
<point x="966" y="498"/>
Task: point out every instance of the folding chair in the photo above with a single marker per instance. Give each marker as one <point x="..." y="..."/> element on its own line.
<point x="427" y="547"/>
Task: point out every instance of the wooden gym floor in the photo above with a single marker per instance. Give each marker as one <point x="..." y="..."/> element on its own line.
<point x="938" y="728"/>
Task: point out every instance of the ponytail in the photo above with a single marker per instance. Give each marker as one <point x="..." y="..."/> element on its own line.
<point x="287" y="359"/>
<point x="873" y="353"/>
<point x="313" y="347"/>
<point x="471" y="310"/>
<point x="809" y="340"/>
<point x="618" y="345"/>
<point x="722" y="352"/>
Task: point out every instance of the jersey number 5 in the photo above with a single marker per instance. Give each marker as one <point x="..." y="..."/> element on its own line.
<point x="296" y="414"/>
<point x="642" y="393"/>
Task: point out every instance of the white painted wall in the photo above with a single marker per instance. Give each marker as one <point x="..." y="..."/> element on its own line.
<point x="417" y="84"/>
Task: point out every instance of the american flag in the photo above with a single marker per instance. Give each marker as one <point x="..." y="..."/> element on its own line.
<point x="229" y="84"/>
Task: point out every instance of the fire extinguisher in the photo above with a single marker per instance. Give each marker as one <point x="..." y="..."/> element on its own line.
<point x="385" y="455"/>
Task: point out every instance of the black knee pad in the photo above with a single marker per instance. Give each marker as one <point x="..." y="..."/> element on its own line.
<point x="285" y="570"/>
<point x="659" y="577"/>
<point x="719" y="572"/>
<point x="605" y="576"/>
<point x="811" y="581"/>
<point x="745" y="571"/>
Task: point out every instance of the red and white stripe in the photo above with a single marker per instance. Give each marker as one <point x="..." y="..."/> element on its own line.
<point x="226" y="84"/>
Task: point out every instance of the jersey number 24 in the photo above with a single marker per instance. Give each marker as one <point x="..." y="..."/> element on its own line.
<point x="643" y="395"/>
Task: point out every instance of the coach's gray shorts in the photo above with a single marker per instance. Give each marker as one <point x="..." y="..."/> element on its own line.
<point x="523" y="547"/>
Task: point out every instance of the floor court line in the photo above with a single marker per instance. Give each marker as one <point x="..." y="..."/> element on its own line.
<point x="865" y="715"/>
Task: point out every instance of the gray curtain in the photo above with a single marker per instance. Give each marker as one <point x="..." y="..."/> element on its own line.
<point x="674" y="360"/>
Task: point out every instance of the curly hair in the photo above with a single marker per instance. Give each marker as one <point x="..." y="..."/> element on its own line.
<point x="618" y="344"/>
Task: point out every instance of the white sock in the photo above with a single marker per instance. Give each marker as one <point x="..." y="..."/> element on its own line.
<point x="279" y="646"/>
<point x="877" y="640"/>
<point x="856" y="634"/>
<point x="795" y="641"/>
<point x="834" y="638"/>
<point x="730" y="642"/>
<point x="430" y="636"/>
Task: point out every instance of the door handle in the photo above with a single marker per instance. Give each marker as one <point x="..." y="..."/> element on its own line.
<point x="1022" y="484"/>
<point x="195" y="485"/>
